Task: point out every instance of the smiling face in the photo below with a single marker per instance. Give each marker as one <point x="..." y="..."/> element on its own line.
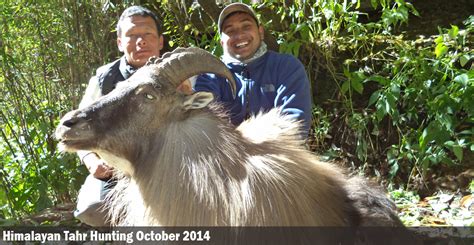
<point x="241" y="36"/>
<point x="139" y="39"/>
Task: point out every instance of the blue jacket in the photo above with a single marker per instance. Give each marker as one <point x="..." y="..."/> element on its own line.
<point x="271" y="80"/>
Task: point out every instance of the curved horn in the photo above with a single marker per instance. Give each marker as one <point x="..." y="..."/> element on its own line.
<point x="184" y="63"/>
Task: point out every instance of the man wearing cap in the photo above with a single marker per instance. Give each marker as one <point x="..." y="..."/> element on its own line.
<point x="265" y="79"/>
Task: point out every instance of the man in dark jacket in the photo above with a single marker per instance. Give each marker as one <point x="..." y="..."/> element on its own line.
<point x="139" y="37"/>
<point x="265" y="79"/>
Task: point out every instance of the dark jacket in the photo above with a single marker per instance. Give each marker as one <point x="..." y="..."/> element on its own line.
<point x="109" y="75"/>
<point x="106" y="79"/>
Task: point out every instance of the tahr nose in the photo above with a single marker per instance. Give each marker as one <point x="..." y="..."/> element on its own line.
<point x="70" y="122"/>
<point x="72" y="118"/>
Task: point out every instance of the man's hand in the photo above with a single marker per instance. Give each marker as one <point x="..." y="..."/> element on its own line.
<point x="97" y="167"/>
<point x="186" y="87"/>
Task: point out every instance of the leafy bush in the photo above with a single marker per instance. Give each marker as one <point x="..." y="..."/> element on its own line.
<point x="46" y="52"/>
<point x="406" y="101"/>
<point x="431" y="104"/>
<point x="424" y="89"/>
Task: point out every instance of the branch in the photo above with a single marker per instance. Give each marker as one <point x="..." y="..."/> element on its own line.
<point x="211" y="9"/>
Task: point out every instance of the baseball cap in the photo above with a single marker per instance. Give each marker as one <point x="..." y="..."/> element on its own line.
<point x="232" y="8"/>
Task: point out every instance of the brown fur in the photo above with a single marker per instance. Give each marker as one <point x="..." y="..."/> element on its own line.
<point x="185" y="165"/>
<point x="230" y="181"/>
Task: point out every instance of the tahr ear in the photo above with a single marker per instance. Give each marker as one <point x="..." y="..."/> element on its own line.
<point x="197" y="100"/>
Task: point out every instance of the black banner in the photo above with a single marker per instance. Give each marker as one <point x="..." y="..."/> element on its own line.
<point x="238" y="235"/>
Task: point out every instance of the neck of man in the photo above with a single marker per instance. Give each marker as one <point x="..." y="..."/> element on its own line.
<point x="126" y="69"/>
<point x="226" y="58"/>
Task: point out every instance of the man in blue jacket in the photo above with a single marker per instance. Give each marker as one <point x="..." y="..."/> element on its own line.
<point x="265" y="79"/>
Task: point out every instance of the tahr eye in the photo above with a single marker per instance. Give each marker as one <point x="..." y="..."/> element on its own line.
<point x="149" y="96"/>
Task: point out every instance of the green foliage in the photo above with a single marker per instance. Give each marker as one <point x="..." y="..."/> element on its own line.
<point x="471" y="187"/>
<point x="423" y="88"/>
<point x="320" y="128"/>
<point x="46" y="52"/>
<point x="427" y="95"/>
<point x="179" y="32"/>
